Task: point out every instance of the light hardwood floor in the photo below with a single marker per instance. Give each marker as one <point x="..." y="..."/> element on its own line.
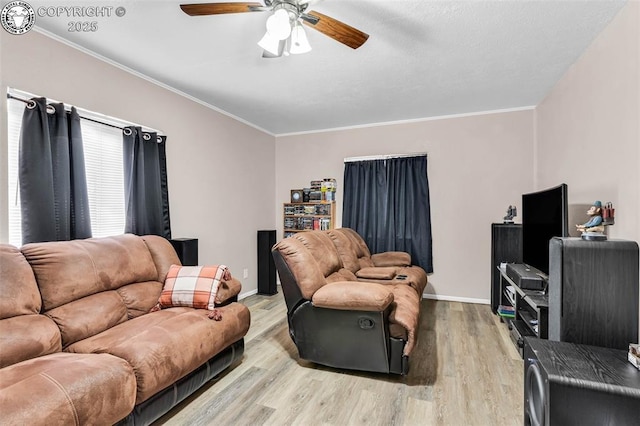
<point x="464" y="371"/>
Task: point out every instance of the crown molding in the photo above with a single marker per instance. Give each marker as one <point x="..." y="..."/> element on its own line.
<point x="145" y="77"/>
<point x="408" y="121"/>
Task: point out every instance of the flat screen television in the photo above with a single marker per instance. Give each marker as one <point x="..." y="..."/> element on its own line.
<point x="544" y="216"/>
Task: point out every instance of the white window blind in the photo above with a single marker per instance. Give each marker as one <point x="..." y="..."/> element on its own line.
<point x="14" y="119"/>
<point x="104" y="169"/>
<point x="105" y="177"/>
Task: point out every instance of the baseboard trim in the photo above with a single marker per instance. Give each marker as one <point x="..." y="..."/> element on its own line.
<point x="247" y="294"/>
<point x="456" y="299"/>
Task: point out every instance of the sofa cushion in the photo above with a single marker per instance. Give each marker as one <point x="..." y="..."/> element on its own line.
<point x="18" y="286"/>
<point x="192" y="286"/>
<point x="303" y="266"/>
<point x="362" y="250"/>
<point x="27" y="336"/>
<point x="165" y="345"/>
<point x="346" y="249"/>
<point x="24" y="333"/>
<point x="90" y="315"/>
<point x="67" y="389"/>
<point x="323" y="250"/>
<point x="70" y="270"/>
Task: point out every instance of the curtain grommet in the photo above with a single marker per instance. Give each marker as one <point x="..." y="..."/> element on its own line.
<point x="146" y="136"/>
<point x="159" y="139"/>
<point x="51" y="109"/>
<point x="31" y="104"/>
<point x="127" y="131"/>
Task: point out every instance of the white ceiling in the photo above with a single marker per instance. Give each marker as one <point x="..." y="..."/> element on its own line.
<point x="423" y="58"/>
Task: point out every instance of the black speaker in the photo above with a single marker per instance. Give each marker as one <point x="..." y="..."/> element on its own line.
<point x="187" y="250"/>
<point x="506" y="246"/>
<point x="593" y="292"/>
<point x="266" y="265"/>
<point x="572" y="384"/>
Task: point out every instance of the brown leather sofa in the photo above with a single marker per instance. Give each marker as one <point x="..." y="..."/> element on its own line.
<point x="339" y="319"/>
<point x="79" y="345"/>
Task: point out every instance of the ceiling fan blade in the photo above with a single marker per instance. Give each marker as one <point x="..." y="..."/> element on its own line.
<point x="200" y="9"/>
<point x="335" y="29"/>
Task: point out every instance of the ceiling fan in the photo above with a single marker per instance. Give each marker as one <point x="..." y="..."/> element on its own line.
<point x="284" y="30"/>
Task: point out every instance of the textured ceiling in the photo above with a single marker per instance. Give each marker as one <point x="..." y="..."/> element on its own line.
<point x="423" y="58"/>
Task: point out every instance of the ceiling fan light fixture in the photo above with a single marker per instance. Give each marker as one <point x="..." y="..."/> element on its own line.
<point x="270" y="43"/>
<point x="299" y="42"/>
<point x="279" y="24"/>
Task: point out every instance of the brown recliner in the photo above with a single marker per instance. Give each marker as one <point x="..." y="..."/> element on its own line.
<point x="337" y="320"/>
<point x="392" y="267"/>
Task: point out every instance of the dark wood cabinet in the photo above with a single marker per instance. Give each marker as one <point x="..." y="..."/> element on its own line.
<point x="506" y="246"/>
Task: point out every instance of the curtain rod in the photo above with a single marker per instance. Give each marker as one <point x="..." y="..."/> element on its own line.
<point x="26" y="101"/>
<point x="383" y="157"/>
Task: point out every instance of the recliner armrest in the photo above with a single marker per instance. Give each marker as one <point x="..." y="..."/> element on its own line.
<point x="227" y="291"/>
<point x="352" y="295"/>
<point x="378" y="273"/>
<point x="391" y="258"/>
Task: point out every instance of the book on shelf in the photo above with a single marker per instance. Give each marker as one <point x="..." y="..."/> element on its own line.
<point x="506" y="311"/>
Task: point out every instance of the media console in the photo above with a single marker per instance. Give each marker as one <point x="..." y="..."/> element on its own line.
<point x="531" y="310"/>
<point x="591" y="296"/>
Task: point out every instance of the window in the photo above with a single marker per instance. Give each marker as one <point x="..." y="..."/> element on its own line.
<point x="104" y="169"/>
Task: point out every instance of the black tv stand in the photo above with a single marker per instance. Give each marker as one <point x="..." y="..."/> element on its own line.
<point x="531" y="310"/>
<point x="592" y="295"/>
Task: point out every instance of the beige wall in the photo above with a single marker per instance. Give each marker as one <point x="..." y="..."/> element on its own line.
<point x="221" y="172"/>
<point x="588" y="126"/>
<point x="477" y="166"/>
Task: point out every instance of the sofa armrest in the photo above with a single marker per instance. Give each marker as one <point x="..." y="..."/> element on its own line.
<point x="377" y="273"/>
<point x="354" y="296"/>
<point x="391" y="258"/>
<point x="228" y="291"/>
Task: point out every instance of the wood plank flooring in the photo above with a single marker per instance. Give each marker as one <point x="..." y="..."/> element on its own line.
<point x="464" y="370"/>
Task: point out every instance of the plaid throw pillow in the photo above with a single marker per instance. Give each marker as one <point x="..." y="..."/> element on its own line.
<point x="192" y="286"/>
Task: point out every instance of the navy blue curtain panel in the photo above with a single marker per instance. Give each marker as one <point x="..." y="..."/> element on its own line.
<point x="386" y="201"/>
<point x="145" y="180"/>
<point x="53" y="190"/>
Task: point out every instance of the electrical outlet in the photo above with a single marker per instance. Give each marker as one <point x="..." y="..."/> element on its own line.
<point x="245" y="273"/>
